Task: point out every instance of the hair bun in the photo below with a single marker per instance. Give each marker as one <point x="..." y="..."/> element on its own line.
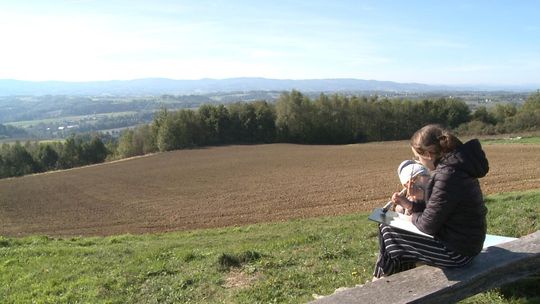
<point x="445" y="143"/>
<point x="434" y="139"/>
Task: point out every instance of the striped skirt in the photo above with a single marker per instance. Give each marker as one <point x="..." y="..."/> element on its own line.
<point x="400" y="250"/>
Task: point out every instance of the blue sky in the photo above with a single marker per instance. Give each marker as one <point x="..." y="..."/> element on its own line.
<point x="433" y="42"/>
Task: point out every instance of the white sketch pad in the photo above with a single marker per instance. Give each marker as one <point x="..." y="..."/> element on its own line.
<point x="403" y="222"/>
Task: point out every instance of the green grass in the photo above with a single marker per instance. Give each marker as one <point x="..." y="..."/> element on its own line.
<point x="44" y="141"/>
<point x="65" y="119"/>
<point x="284" y="262"/>
<point x="513" y="214"/>
<point x="512" y="140"/>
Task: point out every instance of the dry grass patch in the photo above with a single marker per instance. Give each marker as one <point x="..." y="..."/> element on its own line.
<point x="237" y="278"/>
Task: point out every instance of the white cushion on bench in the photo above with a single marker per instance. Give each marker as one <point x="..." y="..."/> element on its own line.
<point x="492" y="240"/>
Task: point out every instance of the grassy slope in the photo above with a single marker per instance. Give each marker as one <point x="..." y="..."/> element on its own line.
<point x="264" y="263"/>
<point x="63" y="119"/>
<point x="512" y="140"/>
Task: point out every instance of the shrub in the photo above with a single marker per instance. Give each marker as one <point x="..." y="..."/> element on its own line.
<point x="226" y="260"/>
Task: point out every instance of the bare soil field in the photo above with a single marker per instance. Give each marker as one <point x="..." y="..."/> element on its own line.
<point x="225" y="186"/>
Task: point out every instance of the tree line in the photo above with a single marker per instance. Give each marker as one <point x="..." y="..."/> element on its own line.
<point x="18" y="159"/>
<point x="293" y="118"/>
<point x="335" y="119"/>
<point x="7" y="131"/>
<point x="504" y="118"/>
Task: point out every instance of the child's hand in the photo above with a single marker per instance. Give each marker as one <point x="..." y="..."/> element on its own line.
<point x="400" y="209"/>
<point x="397" y="198"/>
<point x="401" y="201"/>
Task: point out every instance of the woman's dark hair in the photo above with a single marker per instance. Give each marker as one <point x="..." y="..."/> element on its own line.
<point x="434" y="139"/>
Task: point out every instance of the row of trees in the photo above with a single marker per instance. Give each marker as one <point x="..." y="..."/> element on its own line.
<point x="335" y="119"/>
<point x="7" y="131"/>
<point x="293" y="118"/>
<point x="505" y="118"/>
<point x="209" y="125"/>
<point x="18" y="159"/>
<point x="339" y="119"/>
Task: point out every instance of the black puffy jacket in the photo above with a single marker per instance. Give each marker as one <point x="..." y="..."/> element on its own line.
<point x="454" y="211"/>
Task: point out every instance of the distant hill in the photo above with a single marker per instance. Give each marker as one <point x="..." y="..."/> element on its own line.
<point x="157" y="86"/>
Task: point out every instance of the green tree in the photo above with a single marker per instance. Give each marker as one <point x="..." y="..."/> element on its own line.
<point x="215" y="124"/>
<point x="47" y="157"/>
<point x="333" y="122"/>
<point x="532" y="103"/>
<point x="166" y="135"/>
<point x="17" y="161"/>
<point x="160" y="118"/>
<point x="235" y="132"/>
<point x="93" y="152"/>
<point x="246" y="122"/>
<point x="3" y="169"/>
<point x="70" y="152"/>
<point x="481" y="114"/>
<point x="265" y="115"/>
<point x="188" y="129"/>
<point x="457" y="113"/>
<point x="360" y="118"/>
<point x="138" y="141"/>
<point x="502" y="111"/>
<point x="181" y="129"/>
<point x="528" y="116"/>
<point x="294" y="115"/>
<point x="126" y="148"/>
<point x="209" y="122"/>
<point x="222" y="123"/>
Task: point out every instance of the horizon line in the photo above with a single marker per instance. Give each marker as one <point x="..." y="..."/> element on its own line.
<point x="281" y="79"/>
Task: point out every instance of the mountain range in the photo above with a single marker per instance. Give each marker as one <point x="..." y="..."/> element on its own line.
<point x="158" y="86"/>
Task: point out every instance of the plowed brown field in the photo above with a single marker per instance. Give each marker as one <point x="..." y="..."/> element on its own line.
<point x="225" y="186"/>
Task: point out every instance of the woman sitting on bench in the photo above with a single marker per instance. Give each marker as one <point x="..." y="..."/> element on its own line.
<point x="453" y="209"/>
